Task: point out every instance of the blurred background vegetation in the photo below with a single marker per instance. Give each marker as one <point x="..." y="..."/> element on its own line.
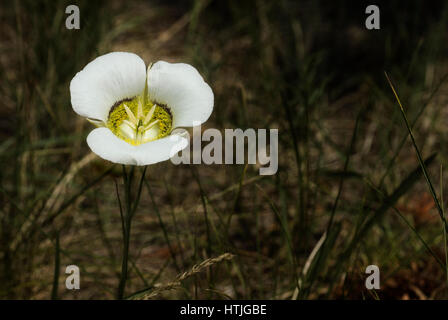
<point x="348" y="193"/>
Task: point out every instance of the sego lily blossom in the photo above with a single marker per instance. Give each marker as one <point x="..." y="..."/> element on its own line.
<point x="136" y="109"/>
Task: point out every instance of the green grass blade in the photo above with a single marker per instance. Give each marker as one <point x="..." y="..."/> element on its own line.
<point x="419" y="156"/>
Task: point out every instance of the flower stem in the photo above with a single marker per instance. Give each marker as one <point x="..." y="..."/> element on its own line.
<point x="126" y="219"/>
<point x="124" y="264"/>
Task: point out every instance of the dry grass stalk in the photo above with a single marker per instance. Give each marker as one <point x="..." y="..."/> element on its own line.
<point x="181" y="277"/>
<point x="54" y="201"/>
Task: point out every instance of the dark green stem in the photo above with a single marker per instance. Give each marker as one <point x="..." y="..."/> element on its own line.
<point x="124" y="263"/>
<point x="126" y="219"/>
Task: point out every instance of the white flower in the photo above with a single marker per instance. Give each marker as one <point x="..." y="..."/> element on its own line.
<point x="136" y="109"/>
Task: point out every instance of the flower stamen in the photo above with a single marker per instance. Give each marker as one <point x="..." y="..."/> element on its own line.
<point x="140" y="109"/>
<point x="149" y="115"/>
<point x="131" y="124"/>
<point x="137" y="122"/>
<point x="130" y="114"/>
<point x="149" y="126"/>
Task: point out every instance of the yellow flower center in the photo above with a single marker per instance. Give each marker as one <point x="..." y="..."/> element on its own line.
<point x="137" y="121"/>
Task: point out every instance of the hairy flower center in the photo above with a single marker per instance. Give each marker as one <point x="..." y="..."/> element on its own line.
<point x="136" y="121"/>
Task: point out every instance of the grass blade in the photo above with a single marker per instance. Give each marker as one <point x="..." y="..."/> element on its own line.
<point x="419" y="156"/>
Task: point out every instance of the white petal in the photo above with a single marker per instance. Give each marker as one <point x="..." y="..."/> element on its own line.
<point x="106" y="80"/>
<point x="109" y="147"/>
<point x="183" y="90"/>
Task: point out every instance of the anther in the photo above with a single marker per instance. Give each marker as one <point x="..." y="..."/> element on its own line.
<point x="149" y="115"/>
<point x="130" y="114"/>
